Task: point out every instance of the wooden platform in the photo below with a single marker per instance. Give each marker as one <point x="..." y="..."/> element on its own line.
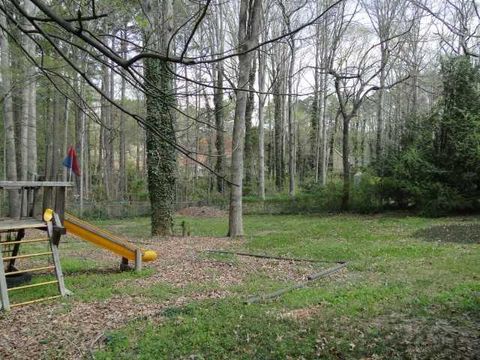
<point x="34" y="184"/>
<point x="8" y="224"/>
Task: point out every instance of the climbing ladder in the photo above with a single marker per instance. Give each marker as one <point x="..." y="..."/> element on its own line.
<point x="28" y="218"/>
<point x="5" y="291"/>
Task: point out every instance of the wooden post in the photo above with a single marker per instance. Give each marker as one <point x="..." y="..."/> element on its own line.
<point x="124" y="264"/>
<point x="16" y="249"/>
<point x="35" y="211"/>
<point x="60" y="202"/>
<point x="56" y="260"/>
<point x="47" y="198"/>
<point x="58" y="229"/>
<point x="3" y="285"/>
<point x="23" y="202"/>
<point x="138" y="260"/>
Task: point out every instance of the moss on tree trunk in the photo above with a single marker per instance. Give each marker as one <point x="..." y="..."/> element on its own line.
<point x="161" y="159"/>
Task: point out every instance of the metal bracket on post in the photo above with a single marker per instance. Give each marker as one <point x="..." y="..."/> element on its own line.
<point x="138" y="260"/>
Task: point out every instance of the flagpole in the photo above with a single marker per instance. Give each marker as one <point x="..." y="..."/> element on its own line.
<point x="65" y="171"/>
<point x="71" y="167"/>
<point x="82" y="155"/>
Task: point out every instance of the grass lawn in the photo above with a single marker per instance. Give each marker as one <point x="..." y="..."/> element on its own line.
<point x="411" y="290"/>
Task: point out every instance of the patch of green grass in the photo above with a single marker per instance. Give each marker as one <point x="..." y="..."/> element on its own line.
<point x="196" y="331"/>
<point x="88" y="280"/>
<point x="103" y="285"/>
<point x="409" y="292"/>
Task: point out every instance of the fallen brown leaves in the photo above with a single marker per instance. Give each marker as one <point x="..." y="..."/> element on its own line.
<point x="202" y="211"/>
<point x="69" y="330"/>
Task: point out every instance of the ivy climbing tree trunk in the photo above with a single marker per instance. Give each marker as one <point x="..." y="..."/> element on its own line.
<point x="161" y="158"/>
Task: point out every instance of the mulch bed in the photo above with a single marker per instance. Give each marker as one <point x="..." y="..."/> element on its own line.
<point x="72" y="329"/>
<point x="202" y="211"/>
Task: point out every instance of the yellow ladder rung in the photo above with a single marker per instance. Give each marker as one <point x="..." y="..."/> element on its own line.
<point x="23" y="241"/>
<point x="29" y="270"/>
<point x="33" y="285"/>
<point x="36" y="301"/>
<point x="26" y="256"/>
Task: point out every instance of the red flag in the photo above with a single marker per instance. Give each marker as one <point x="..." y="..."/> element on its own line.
<point x="71" y="161"/>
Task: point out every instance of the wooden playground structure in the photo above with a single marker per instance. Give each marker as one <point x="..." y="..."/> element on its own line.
<point x="41" y="208"/>
<point x="36" y="201"/>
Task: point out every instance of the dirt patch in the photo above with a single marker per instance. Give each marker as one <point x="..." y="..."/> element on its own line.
<point x="70" y="329"/>
<point x="301" y="314"/>
<point x="183" y="262"/>
<point x="427" y="338"/>
<point x="202" y="211"/>
<point x="453" y="233"/>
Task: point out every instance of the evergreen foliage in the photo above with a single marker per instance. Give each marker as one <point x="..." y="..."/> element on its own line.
<point x="439" y="169"/>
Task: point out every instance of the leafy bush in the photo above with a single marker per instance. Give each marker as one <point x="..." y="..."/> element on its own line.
<point x="438" y="171"/>
<point x="439" y="199"/>
<point x="365" y="197"/>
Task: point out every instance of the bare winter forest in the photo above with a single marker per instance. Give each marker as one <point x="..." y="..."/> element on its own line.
<point x="240" y="179"/>
<point x="360" y="105"/>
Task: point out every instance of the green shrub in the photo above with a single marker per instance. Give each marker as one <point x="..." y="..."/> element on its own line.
<point x="366" y="197"/>
<point x="439" y="199"/>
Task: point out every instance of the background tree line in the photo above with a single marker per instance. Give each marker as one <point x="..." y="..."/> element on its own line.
<point x="179" y="100"/>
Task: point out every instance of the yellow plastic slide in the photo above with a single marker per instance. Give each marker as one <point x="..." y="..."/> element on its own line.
<point x="104" y="239"/>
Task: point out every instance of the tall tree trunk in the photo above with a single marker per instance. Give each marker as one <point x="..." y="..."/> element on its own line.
<point x="138" y="147"/>
<point x="346" y="163"/>
<point x="246" y="39"/>
<point x="218" y="103"/>
<point x="314" y="139"/>
<point x="291" y="126"/>
<point x="323" y="140"/>
<point x="161" y="158"/>
<point x="261" y="125"/>
<point x="363" y="135"/>
<point x="9" y="126"/>
<point x="279" y="132"/>
<point x="380" y="114"/>
<point x="24" y="121"/>
<point x="28" y="130"/>
<point x="323" y="168"/>
<point x="356" y="143"/>
<point x="248" y="124"/>
<point x="122" y="144"/>
<point x="103" y="155"/>
<point x="32" y="129"/>
<point x="110" y="152"/>
<point x="220" y="128"/>
<point x="331" y="146"/>
<point x="48" y="125"/>
<point x="58" y="125"/>
<point x="210" y="137"/>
